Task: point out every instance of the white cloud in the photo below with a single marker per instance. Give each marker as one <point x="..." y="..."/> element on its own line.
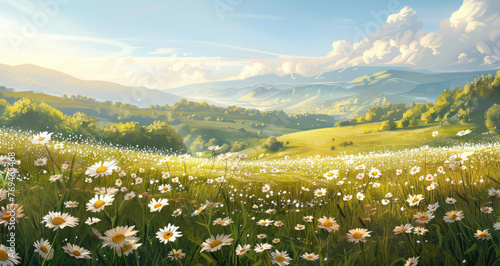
<point x="253" y="69"/>
<point x="468" y="40"/>
<point x="463" y="58"/>
<point x="163" y="51"/>
<point x="406" y="14"/>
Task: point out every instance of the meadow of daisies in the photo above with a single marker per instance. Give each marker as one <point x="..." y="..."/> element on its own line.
<point x="65" y="201"/>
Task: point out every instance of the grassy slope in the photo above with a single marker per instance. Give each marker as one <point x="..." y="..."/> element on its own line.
<point x="319" y="141"/>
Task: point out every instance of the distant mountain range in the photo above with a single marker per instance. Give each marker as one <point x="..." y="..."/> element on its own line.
<point x="344" y="92"/>
<point x="39" y="79"/>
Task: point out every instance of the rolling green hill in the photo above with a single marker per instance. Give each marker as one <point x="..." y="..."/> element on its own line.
<point x="349" y="107"/>
<point x="365" y="138"/>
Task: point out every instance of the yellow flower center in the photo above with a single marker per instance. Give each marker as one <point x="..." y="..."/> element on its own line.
<point x="6" y="216"/>
<point x="264" y="223"/>
<point x="176" y="254"/>
<point x="40" y="162"/>
<point x="101" y="169"/>
<point x="118" y="238"/>
<point x="168" y="235"/>
<point x="126" y="248"/>
<point x="424" y="217"/>
<point x="216" y="243"/>
<point x="458" y="159"/>
<point x="403" y="230"/>
<point x="327" y="224"/>
<point x="320" y="193"/>
<point x="357" y="235"/>
<point x="415" y="200"/>
<point x="280" y="259"/>
<point x="486" y="209"/>
<point x="3" y="255"/>
<point x="98" y="204"/>
<point x="58" y="220"/>
<point x="77" y="253"/>
<point x="453" y="216"/>
<point x="200" y="209"/>
<point x="41" y="139"/>
<point x="158" y="205"/>
<point x="4" y="159"/>
<point x="165" y="188"/>
<point x="483" y="235"/>
<point x="44" y="249"/>
<point x="242" y="250"/>
<point x="374" y="173"/>
<point x="310" y="257"/>
<point x="330" y="174"/>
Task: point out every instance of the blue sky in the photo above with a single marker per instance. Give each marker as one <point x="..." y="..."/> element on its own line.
<point x="230" y="36"/>
<point x="287" y="27"/>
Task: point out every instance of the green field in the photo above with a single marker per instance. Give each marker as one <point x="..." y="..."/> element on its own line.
<point x="296" y="188"/>
<point x="366" y="138"/>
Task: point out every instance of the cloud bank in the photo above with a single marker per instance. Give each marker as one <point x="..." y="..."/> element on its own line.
<point x="468" y="40"/>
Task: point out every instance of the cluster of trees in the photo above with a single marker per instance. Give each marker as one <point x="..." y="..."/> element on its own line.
<point x="387" y="111"/>
<point x="200" y="144"/>
<point x="477" y="98"/>
<point x="272" y="144"/>
<point x="492" y="118"/>
<point x="474" y="99"/>
<point x="28" y="115"/>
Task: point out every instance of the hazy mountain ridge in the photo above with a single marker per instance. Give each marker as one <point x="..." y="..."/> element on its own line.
<point x="291" y="94"/>
<point x="323" y="93"/>
<point x="39" y="79"/>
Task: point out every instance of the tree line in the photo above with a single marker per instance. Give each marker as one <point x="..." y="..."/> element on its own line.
<point x="28" y="115"/>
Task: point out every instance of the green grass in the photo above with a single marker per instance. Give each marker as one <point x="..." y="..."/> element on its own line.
<point x="444" y="244"/>
<point x="365" y="138"/>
